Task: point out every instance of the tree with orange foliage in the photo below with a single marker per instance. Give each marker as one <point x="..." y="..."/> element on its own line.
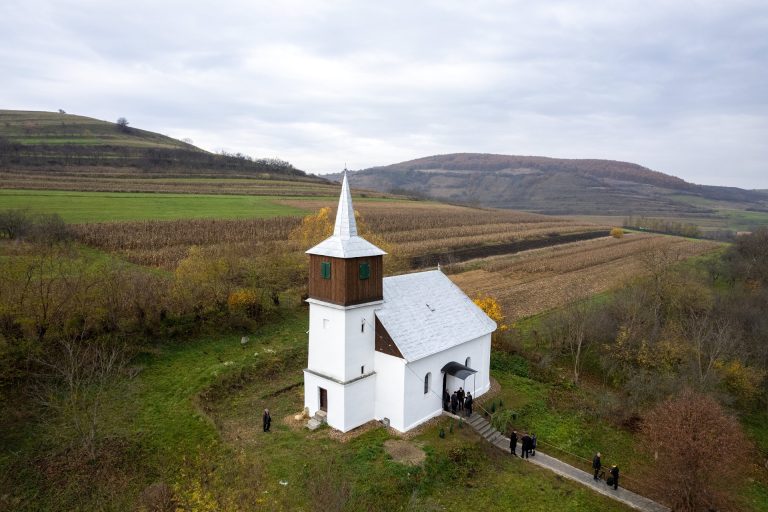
<point x="617" y="233"/>
<point x="700" y="452"/>
<point x="492" y="308"/>
<point x="314" y="228"/>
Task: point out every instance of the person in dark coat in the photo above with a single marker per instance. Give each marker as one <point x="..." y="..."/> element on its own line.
<point x="533" y="444"/>
<point x="596" y="464"/>
<point x="615" y="475"/>
<point x="267" y="420"/>
<point x="460" y="395"/>
<point x="513" y="443"/>
<point x="454" y="402"/>
<point x="526" y="442"/>
<point x="446" y="400"/>
<point x="468" y="404"/>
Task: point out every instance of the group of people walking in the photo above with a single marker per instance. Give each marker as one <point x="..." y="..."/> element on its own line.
<point x="527" y="444"/>
<point x="458" y="401"/>
<point x="597" y="465"/>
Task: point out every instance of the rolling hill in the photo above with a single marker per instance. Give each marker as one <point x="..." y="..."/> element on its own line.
<point x="552" y="185"/>
<point x="72" y="144"/>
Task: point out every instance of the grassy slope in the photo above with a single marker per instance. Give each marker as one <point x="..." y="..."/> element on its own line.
<point x="32" y="127"/>
<point x="175" y="442"/>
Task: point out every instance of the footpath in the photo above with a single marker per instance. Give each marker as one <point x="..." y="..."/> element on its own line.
<point x="493" y="436"/>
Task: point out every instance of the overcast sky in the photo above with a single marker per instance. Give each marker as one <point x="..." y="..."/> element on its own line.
<point x="678" y="86"/>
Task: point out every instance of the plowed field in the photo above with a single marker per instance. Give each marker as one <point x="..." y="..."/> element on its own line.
<point x="535" y="281"/>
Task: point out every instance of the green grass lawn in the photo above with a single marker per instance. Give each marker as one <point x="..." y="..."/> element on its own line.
<point x="77" y="207"/>
<point x="742" y="220"/>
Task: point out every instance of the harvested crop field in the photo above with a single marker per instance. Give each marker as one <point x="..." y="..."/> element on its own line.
<point x="105" y="179"/>
<point x="535" y="281"/>
<point x="414" y="229"/>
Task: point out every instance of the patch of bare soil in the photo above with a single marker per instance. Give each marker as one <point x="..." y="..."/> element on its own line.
<point x="404" y="452"/>
<point x="347" y="436"/>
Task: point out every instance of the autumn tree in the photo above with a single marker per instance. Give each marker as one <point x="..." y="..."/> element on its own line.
<point x="314" y="228"/>
<point x="205" y="279"/>
<point x="691" y="467"/>
<point x="492" y="308"/>
<point x="617" y="233"/>
<point x="75" y="377"/>
<point x="568" y="330"/>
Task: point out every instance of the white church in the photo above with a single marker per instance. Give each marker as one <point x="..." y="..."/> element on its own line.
<point x="386" y="348"/>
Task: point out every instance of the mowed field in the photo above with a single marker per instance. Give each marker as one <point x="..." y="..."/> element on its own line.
<point x="85" y="207"/>
<point x="535" y="281"/>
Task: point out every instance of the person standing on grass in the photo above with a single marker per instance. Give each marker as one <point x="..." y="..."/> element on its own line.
<point x="267" y="420"/>
<point x="596" y="464"/>
<point x="615" y="475"/>
<point x="468" y="404"/>
<point x="533" y="444"/>
<point x="460" y="396"/>
<point x="513" y="443"/>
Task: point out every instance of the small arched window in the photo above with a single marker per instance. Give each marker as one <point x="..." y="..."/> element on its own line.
<point x="427" y="378"/>
<point x="468" y="362"/>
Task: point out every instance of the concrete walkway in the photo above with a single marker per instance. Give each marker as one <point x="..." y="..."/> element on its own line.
<point x="629" y="498"/>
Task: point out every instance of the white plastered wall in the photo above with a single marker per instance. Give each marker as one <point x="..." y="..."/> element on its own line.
<point x="420" y="407"/>
<point x="312" y="385"/>
<point x="390" y="381"/>
<point x="341" y="340"/>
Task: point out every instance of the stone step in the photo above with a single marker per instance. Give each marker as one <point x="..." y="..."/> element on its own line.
<point x="490" y="435"/>
<point x="476" y="425"/>
<point x="313" y="424"/>
<point x="485" y="430"/>
<point x="477" y="421"/>
<point x="321" y="414"/>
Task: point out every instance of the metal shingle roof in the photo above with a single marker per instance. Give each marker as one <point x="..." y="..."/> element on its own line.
<point x="344" y="243"/>
<point x="426" y="313"/>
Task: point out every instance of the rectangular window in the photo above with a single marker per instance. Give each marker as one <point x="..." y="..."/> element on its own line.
<point x="325" y="269"/>
<point x="365" y="271"/>
<point x="362" y="370"/>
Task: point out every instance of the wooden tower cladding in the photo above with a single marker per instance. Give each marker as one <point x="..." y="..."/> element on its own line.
<point x="346" y="281"/>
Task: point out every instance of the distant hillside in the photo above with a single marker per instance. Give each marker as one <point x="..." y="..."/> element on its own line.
<point x="70" y="143"/>
<point x="549" y="185"/>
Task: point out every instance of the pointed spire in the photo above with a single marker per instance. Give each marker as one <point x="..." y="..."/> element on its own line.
<point x="345" y="227"/>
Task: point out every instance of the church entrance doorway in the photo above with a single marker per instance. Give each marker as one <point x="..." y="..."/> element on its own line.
<point x="323" y="400"/>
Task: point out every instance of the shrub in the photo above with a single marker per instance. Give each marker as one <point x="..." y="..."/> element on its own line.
<point x="683" y="434"/>
<point x="617" y="233"/>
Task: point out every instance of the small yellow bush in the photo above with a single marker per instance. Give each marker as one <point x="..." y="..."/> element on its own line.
<point x="617" y="233"/>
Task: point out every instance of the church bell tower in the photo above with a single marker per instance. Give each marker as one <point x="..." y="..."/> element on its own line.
<point x="345" y="287"/>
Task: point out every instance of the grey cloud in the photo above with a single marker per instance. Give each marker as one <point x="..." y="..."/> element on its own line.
<point x="676" y="86"/>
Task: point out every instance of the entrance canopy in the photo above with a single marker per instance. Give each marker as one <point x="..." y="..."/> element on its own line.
<point x="458" y="370"/>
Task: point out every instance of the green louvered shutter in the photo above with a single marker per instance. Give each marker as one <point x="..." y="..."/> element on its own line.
<point x="325" y="269"/>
